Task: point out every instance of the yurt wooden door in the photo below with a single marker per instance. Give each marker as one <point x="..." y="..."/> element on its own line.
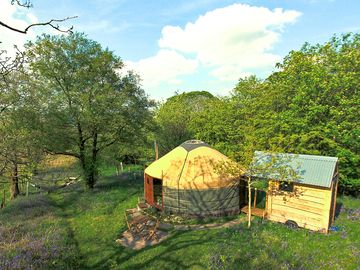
<point x="149" y="190"/>
<point x="153" y="192"/>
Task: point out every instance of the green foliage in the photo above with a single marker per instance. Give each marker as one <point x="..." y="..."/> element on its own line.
<point x="84" y="105"/>
<point x="311" y="105"/>
<point x="175" y="116"/>
<point x="322" y="113"/>
<point x="19" y="149"/>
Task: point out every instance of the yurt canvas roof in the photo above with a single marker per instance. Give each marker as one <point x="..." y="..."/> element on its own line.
<point x="192" y="165"/>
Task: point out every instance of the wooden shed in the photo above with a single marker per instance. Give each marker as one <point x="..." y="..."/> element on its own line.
<point x="310" y="200"/>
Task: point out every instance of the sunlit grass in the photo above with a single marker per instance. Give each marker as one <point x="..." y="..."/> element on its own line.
<point x="89" y="222"/>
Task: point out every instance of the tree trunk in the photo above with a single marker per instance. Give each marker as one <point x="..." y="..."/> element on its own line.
<point x="81" y="147"/>
<point x="82" y="157"/>
<point x="90" y="179"/>
<point x="14" y="187"/>
<point x="92" y="170"/>
<point x="249" y="203"/>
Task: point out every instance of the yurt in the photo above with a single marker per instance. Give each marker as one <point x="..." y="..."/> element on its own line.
<point x="188" y="180"/>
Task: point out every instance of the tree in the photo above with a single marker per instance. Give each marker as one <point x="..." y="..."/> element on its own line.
<point x="175" y="116"/>
<point x="230" y="124"/>
<point x="85" y="106"/>
<point x="19" y="151"/>
<point x="9" y="64"/>
<point x="317" y="90"/>
<point x="310" y="105"/>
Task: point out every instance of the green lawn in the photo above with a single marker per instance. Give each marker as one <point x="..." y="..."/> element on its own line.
<point x="82" y="226"/>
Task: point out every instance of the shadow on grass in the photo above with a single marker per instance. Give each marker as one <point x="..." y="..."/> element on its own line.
<point x="74" y="201"/>
<point x="163" y="254"/>
<point x="230" y="248"/>
<point x="71" y="201"/>
<point x="265" y="246"/>
<point x="338" y="208"/>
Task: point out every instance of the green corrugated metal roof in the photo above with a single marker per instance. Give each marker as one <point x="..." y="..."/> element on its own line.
<point x="310" y="169"/>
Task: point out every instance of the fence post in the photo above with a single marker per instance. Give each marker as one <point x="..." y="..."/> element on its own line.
<point x="27" y="188"/>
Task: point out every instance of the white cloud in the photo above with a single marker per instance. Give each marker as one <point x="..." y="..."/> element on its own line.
<point x="227" y="43"/>
<point x="18" y="18"/>
<point x="231" y="40"/>
<point x="165" y="66"/>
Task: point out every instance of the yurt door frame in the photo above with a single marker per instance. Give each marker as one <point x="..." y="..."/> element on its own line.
<point x="153" y="192"/>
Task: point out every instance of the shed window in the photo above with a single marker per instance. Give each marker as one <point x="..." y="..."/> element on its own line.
<point x="286" y="186"/>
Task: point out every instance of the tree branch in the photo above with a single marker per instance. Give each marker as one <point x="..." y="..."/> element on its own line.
<point x="52" y="23"/>
<point x="3" y="168"/>
<point x="25" y="4"/>
<point x="107" y="145"/>
<point x="113" y="141"/>
<point x="8" y="64"/>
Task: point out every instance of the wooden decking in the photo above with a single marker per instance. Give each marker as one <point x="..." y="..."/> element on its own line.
<point x="254" y="211"/>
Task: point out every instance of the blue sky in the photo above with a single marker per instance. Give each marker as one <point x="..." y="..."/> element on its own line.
<point x="198" y="44"/>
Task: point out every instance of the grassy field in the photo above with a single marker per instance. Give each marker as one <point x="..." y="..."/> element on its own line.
<point x="74" y="228"/>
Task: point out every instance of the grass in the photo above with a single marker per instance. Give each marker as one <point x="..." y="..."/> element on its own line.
<point x="32" y="236"/>
<point x="81" y="227"/>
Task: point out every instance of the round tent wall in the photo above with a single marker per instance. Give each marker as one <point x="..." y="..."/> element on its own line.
<point x="192" y="182"/>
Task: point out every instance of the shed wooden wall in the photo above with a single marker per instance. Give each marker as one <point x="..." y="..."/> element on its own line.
<point x="310" y="207"/>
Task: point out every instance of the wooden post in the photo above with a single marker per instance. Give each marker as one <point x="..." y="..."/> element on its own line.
<point x="266" y="203"/>
<point x="121" y="167"/>
<point x="334" y="203"/>
<point x="249" y="202"/>
<point x="162" y="190"/>
<point x="255" y="194"/>
<point x="156" y="150"/>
